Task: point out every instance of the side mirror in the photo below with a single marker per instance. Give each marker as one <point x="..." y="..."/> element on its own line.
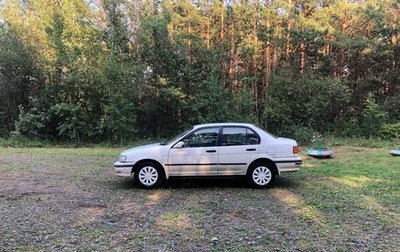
<point x="179" y="144"/>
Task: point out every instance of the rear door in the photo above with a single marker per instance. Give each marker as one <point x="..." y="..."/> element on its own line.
<point x="238" y="146"/>
<point x="198" y="156"/>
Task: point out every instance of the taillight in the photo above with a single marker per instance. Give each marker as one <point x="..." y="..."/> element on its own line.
<point x="295" y="149"/>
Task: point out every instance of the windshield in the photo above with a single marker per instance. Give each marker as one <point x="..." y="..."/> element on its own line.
<point x="174" y="139"/>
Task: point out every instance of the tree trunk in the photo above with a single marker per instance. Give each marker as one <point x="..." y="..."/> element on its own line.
<point x="302" y="56"/>
<point x="267" y="59"/>
<point x="222" y="21"/>
<point x="232" y="57"/>
<point x="288" y="30"/>
<point x="171" y="22"/>
<point x="208" y="33"/>
<point x="190" y="56"/>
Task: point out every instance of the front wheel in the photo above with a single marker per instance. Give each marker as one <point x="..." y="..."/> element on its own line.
<point x="261" y="176"/>
<point x="148" y="175"/>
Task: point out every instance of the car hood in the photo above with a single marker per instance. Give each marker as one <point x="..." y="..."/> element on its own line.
<point x="150" y="148"/>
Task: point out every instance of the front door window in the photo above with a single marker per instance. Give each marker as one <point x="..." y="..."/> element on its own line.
<point x="202" y="138"/>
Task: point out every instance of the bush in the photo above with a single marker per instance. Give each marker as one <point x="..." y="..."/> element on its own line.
<point x="373" y="118"/>
<point x="312" y="100"/>
<point x="392" y="106"/>
<point x="391" y="130"/>
<point x="350" y="128"/>
<point x="32" y="122"/>
<point x="303" y="135"/>
<point x="70" y="120"/>
<point x="18" y="140"/>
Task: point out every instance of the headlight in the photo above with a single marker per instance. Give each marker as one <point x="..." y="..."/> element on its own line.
<point x="122" y="159"/>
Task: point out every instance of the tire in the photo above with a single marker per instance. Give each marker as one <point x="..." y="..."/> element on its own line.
<point x="261" y="175"/>
<point x="149" y="175"/>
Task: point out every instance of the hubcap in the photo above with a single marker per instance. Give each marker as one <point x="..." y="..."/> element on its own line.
<point x="148" y="175"/>
<point x="262" y="175"/>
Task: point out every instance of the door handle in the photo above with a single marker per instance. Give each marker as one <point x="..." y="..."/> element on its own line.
<point x="211" y="151"/>
<point x="252" y="149"/>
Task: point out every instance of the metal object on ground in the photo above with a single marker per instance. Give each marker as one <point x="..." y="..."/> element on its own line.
<point x="395" y="152"/>
<point x="320" y="152"/>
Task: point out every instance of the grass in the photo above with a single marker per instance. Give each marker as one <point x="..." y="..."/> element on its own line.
<point x="70" y="199"/>
<point x="372" y="142"/>
<point x="20" y="141"/>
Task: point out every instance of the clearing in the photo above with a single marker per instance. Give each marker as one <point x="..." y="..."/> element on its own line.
<point x="70" y="199"/>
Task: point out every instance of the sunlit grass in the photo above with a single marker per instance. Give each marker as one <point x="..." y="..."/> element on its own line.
<point x="351" y="177"/>
<point x="355" y="181"/>
<point x="298" y="205"/>
<point x="174" y="220"/>
<point x="330" y="204"/>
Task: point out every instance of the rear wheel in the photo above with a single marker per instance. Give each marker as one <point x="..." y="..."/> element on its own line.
<point x="149" y="175"/>
<point x="261" y="175"/>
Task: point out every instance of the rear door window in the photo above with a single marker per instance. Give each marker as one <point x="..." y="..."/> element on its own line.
<point x="232" y="136"/>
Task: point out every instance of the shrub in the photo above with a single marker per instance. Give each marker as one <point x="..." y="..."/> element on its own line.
<point x="32" y="122"/>
<point x="373" y="117"/>
<point x="350" y="128"/>
<point x="18" y="140"/>
<point x="303" y="135"/>
<point x="391" y="130"/>
<point x="69" y="117"/>
<point x="311" y="100"/>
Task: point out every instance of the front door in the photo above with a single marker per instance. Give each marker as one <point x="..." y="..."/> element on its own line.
<point x="198" y="156"/>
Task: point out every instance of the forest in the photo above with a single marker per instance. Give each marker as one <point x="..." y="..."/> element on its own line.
<point x="109" y="70"/>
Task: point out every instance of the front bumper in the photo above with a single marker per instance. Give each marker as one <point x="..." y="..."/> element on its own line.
<point x="123" y="169"/>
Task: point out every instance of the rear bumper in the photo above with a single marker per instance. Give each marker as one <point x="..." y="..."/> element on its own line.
<point x="288" y="165"/>
<point x="123" y="169"/>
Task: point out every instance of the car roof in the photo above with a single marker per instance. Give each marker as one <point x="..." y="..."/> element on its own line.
<point x="223" y="124"/>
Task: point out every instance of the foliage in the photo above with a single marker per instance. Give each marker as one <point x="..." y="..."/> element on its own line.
<point x="119" y="119"/>
<point x="318" y="141"/>
<point x="310" y="101"/>
<point x="373" y="117"/>
<point x="32" y="122"/>
<point x="116" y="70"/>
<point x="211" y="104"/>
<point x="69" y="118"/>
<point x="350" y="127"/>
<point x="302" y="134"/>
<point x="18" y="140"/>
<point x="392" y="106"/>
<point x="20" y="78"/>
<point x="391" y="130"/>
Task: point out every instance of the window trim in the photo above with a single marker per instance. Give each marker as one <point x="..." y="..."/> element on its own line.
<point x="198" y="129"/>
<point x="233" y="126"/>
<point x="219" y="139"/>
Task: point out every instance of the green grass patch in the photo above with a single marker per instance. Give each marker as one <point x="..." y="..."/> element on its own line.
<point x="347" y="203"/>
<point x="373" y="142"/>
<point x="19" y="141"/>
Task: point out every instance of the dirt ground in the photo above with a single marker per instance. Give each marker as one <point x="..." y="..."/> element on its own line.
<point x="62" y="199"/>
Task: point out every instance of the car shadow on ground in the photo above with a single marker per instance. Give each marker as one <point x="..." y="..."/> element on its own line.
<point x="203" y="183"/>
<point x="287" y="182"/>
<point x="208" y="182"/>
